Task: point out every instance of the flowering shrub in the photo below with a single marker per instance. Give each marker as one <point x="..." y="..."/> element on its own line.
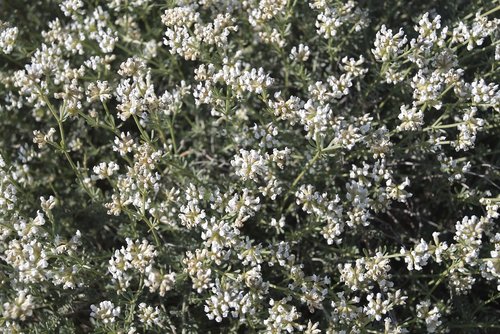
<point x="271" y="166"/>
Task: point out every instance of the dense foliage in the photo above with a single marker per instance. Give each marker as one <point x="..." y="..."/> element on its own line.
<point x="271" y="166"/>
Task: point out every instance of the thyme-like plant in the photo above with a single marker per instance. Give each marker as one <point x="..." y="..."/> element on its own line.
<point x="257" y="166"/>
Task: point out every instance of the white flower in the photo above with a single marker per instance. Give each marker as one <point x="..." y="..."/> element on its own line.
<point x="71" y="7"/>
<point x="418" y="257"/>
<point x="377" y="307"/>
<point x="411" y="119"/>
<point x="105" y="170"/>
<point x="21" y="308"/>
<point x="98" y="90"/>
<point x="8" y="38"/>
<point x="149" y="315"/>
<point x="430" y="315"/>
<point x="105" y="312"/>
<point x="249" y="165"/>
<point x="282" y="317"/>
<point x="387" y="44"/>
<point x="42" y="139"/>
<point x="300" y="53"/>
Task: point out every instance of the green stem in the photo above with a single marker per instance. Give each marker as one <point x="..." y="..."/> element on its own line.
<point x="170" y="124"/>
<point x="304" y="170"/>
<point x="144" y="135"/>
<point x="62" y="146"/>
<point x="299" y="177"/>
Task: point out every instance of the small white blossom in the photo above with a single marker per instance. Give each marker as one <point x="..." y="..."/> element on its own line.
<point x="20" y="308"/>
<point x="430" y="315"/>
<point x="106" y="312"/>
<point x="8" y="36"/>
<point x="300" y="53"/>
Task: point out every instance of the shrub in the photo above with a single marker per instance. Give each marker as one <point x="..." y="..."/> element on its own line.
<point x="224" y="166"/>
